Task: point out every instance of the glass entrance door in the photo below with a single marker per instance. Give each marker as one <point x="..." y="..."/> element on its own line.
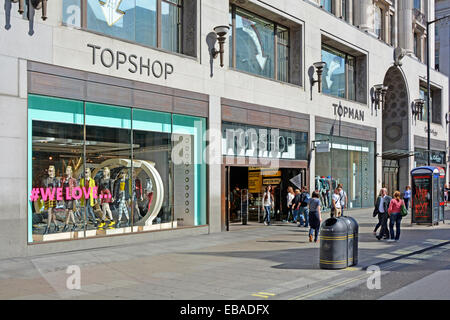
<point x="390" y="175"/>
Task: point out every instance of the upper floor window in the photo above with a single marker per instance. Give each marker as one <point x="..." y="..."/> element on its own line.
<point x="392" y="29"/>
<point x="435" y="103"/>
<point x="258" y="45"/>
<point x="378" y="22"/>
<point x="417" y="4"/>
<point x="339" y="74"/>
<point x="154" y="23"/>
<point x="327" y="5"/>
<point x="423" y="95"/>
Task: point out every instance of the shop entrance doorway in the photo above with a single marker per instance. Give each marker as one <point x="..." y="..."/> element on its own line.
<point x="390" y="175"/>
<point x="244" y="189"/>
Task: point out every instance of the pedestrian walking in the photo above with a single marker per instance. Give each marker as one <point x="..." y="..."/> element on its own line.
<point x="289" y="202"/>
<point x="336" y="204"/>
<point x="267" y="204"/>
<point x="343" y="195"/>
<point x="304" y="211"/>
<point x="315" y="217"/>
<point x="382" y="205"/>
<point x="375" y="212"/>
<point x="296" y="205"/>
<point x="446" y="190"/>
<point x="407" y="196"/>
<point x="395" y="217"/>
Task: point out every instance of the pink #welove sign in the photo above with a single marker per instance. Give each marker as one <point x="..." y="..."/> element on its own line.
<point x="76" y="193"/>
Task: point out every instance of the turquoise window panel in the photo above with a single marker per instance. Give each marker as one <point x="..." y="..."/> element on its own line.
<point x="55" y="109"/>
<point x="152" y="121"/>
<point x="108" y="116"/>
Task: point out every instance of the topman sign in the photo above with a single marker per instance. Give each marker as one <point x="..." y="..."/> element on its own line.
<point x="134" y="64"/>
<point x="347" y="112"/>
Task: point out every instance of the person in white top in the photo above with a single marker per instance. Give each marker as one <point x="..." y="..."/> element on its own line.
<point x="336" y="203"/>
<point x="290" y="196"/>
<point x="267" y="204"/>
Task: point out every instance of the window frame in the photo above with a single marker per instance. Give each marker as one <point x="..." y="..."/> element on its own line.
<point x="276" y="43"/>
<point x="333" y="50"/>
<point x="180" y="49"/>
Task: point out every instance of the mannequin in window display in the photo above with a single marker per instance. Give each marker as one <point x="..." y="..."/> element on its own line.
<point x="137" y="192"/>
<point x="68" y="183"/>
<point x="51" y="182"/>
<point x="89" y="183"/>
<point x="149" y="192"/>
<point x="105" y="188"/>
<point x="122" y="196"/>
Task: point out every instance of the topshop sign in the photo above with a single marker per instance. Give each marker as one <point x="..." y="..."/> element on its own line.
<point x="134" y="64"/>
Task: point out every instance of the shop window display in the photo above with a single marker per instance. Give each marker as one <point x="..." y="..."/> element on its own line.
<point x="99" y="170"/>
<point x="350" y="162"/>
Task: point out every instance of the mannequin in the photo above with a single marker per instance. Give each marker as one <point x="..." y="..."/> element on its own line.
<point x="89" y="183"/>
<point x="149" y="191"/>
<point x="105" y="187"/>
<point x="69" y="182"/>
<point x="51" y="182"/>
<point x="137" y="192"/>
<point x="122" y="196"/>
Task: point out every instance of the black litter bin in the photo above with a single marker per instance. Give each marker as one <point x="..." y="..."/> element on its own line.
<point x="352" y="242"/>
<point x="333" y="244"/>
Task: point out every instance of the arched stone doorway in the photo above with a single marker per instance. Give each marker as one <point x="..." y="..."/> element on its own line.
<point x="396" y="144"/>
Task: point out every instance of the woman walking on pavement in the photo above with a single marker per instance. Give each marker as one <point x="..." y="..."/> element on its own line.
<point x="290" y="196"/>
<point x="315" y="217"/>
<point x="407" y="196"/>
<point x="268" y="204"/>
<point x="395" y="207"/>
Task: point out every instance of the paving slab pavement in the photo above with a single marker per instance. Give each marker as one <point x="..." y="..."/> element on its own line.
<point x="277" y="261"/>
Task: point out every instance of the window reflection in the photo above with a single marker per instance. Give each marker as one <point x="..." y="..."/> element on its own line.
<point x="334" y="72"/>
<point x="256" y="45"/>
<point x="326" y="4"/>
<point x="350" y="162"/>
<point x="339" y="73"/>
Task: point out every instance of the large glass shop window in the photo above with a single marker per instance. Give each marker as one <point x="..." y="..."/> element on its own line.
<point x="350" y="162"/>
<point x="97" y="170"/>
<point x="253" y="141"/>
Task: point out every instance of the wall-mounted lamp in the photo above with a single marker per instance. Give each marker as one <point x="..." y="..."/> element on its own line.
<point x="447" y="118"/>
<point x="32" y="6"/>
<point x="379" y="96"/>
<point x="221" y="32"/>
<point x="319" y="69"/>
<point x="418" y="108"/>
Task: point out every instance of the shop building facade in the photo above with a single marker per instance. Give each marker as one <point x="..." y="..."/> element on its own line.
<point x="122" y="127"/>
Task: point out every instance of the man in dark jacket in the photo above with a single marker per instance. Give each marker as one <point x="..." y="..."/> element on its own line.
<point x="304" y="211"/>
<point x="296" y="205"/>
<point x="382" y="205"/>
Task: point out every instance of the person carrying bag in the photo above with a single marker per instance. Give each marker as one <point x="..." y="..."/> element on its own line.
<point x="395" y="215"/>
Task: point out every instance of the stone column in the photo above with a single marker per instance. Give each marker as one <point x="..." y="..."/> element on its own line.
<point x="366" y="15"/>
<point x="350" y="11"/>
<point x="405" y="33"/>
